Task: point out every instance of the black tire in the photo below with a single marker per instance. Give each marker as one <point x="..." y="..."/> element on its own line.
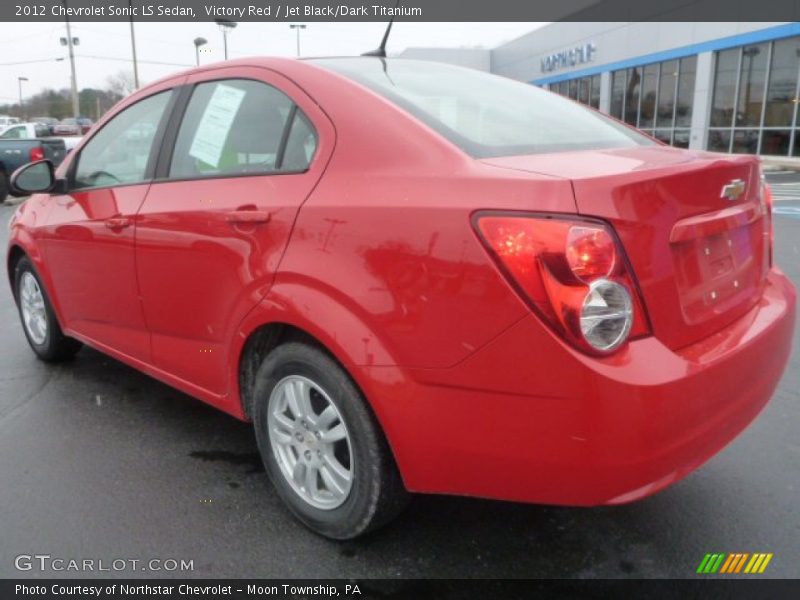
<point x="377" y="493"/>
<point x="3" y="186"/>
<point x="56" y="346"/>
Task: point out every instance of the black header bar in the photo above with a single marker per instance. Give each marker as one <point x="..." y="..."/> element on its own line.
<point x="404" y="10"/>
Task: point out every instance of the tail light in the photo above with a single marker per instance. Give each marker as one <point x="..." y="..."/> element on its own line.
<point x="572" y="272"/>
<point x="36" y="153"/>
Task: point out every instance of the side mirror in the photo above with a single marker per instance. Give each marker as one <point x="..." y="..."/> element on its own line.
<point x="33" y="178"/>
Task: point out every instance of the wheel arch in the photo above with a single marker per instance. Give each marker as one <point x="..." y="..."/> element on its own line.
<point x="266" y="337"/>
<point x="15" y="254"/>
<point x="336" y="328"/>
<point x="305" y="311"/>
<point x="257" y="346"/>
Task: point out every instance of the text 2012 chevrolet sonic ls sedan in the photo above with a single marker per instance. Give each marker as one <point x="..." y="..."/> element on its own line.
<point x="412" y="276"/>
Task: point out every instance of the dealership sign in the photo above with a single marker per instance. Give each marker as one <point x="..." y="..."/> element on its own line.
<point x="569" y="58"/>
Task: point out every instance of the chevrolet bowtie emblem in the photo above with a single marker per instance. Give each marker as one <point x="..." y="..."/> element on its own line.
<point x="733" y="190"/>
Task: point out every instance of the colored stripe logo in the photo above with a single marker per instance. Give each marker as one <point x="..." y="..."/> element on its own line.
<point x="737" y="562"/>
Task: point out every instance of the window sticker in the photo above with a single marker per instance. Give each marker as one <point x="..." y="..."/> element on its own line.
<point x="214" y="126"/>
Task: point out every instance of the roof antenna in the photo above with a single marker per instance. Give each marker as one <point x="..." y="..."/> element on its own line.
<point x="380" y="51"/>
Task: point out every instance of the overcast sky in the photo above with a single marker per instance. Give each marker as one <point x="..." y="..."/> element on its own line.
<point x="105" y="48"/>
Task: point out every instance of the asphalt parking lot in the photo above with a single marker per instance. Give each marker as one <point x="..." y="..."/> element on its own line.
<point x="99" y="461"/>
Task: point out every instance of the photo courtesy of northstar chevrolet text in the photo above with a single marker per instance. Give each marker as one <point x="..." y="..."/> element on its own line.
<point x="391" y="296"/>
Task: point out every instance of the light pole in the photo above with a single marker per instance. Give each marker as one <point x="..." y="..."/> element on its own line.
<point x="224" y="26"/>
<point x="198" y="41"/>
<point x="297" y="27"/>
<point x="133" y="48"/>
<point x="20" y="80"/>
<point x="74" y="80"/>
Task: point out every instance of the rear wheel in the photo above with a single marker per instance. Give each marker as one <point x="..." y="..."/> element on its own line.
<point x="322" y="447"/>
<point x="38" y="319"/>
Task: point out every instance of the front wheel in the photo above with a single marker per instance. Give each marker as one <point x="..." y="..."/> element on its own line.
<point x="321" y="445"/>
<point x="38" y="318"/>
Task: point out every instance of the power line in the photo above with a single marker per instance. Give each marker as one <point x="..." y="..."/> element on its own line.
<point x="122" y="59"/>
<point x="30" y="35"/>
<point x="125" y="35"/>
<point x="28" y="62"/>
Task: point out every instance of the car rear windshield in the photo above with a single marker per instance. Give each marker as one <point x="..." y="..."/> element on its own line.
<point x="486" y="115"/>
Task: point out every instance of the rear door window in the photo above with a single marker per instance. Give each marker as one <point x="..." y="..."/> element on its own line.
<point x="300" y="145"/>
<point x="238" y="127"/>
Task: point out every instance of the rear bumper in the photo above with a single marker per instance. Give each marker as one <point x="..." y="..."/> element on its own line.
<point x="526" y="418"/>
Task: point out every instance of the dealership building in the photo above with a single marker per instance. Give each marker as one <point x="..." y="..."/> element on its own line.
<point x="727" y="87"/>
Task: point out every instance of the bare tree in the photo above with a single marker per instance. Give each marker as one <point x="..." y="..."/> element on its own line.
<point x="121" y="83"/>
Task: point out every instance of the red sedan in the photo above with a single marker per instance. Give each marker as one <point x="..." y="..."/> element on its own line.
<point x="413" y="277"/>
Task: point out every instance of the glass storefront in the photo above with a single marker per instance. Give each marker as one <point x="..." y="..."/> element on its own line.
<point x="753" y="105"/>
<point x="585" y="90"/>
<point x="657" y="98"/>
<point x="755" y="97"/>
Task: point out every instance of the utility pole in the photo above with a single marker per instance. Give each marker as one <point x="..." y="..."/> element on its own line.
<point x="133" y="47"/>
<point x="198" y="41"/>
<point x="297" y="27"/>
<point x="225" y="25"/>
<point x="75" y="106"/>
<point x="20" y="80"/>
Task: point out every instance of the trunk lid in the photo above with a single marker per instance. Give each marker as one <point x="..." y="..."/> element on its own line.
<point x="700" y="258"/>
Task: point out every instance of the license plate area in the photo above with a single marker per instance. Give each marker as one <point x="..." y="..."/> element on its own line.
<point x="716" y="273"/>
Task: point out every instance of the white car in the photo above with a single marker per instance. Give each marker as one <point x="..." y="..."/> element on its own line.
<point x="27" y="131"/>
<point x="5" y="121"/>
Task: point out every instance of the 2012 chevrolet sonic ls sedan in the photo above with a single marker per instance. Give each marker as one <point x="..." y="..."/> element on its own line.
<point x="413" y="277"/>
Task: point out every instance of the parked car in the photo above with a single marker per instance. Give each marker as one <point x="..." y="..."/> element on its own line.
<point x="36" y="130"/>
<point x="20" y="131"/>
<point x="413" y="277"/>
<point x="5" y="121"/>
<point x="50" y="122"/>
<point x="68" y="126"/>
<point x="15" y="152"/>
<point x="85" y="124"/>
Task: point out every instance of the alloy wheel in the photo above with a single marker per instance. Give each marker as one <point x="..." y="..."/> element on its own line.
<point x="310" y="442"/>
<point x="34" y="314"/>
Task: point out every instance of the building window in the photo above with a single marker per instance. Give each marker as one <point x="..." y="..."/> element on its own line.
<point x="585" y="90"/>
<point x="617" y="94"/>
<point x="722" y="106"/>
<point x="667" y="86"/>
<point x="647" y="106"/>
<point x="754" y="107"/>
<point x="657" y="98"/>
<point x="632" y="80"/>
<point x="594" y="97"/>
<point x="782" y="84"/>
<point x="683" y="105"/>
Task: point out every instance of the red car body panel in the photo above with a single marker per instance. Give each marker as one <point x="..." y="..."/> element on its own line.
<point x="372" y="252"/>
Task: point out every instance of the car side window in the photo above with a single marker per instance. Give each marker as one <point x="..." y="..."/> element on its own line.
<point x="231" y="127"/>
<point x="118" y="154"/>
<point x="300" y="145"/>
<point x="41" y="130"/>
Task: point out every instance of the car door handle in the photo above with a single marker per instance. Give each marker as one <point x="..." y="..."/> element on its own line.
<point x="247" y="216"/>
<point x="118" y="222"/>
